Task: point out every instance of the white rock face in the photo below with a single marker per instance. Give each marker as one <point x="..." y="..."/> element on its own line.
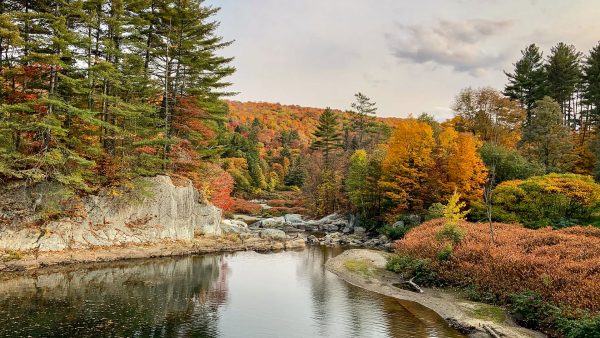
<point x="167" y="213"/>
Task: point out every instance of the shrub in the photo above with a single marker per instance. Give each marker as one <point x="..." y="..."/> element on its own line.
<point x="531" y="310"/>
<point x="445" y="253"/>
<point x="562" y="266"/>
<point x="436" y="210"/>
<point x="412" y="267"/>
<point x="451" y="232"/>
<point x="394" y="233"/>
<point x="559" y="200"/>
<point x="587" y="327"/>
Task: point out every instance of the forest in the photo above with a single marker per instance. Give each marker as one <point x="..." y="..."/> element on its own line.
<point x="96" y="94"/>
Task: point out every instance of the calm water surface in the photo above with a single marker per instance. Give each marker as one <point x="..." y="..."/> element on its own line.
<point x="246" y="295"/>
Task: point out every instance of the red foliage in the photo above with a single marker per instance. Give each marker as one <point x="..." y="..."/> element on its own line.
<point x="562" y="265"/>
<point x="222" y="187"/>
<point x="242" y="206"/>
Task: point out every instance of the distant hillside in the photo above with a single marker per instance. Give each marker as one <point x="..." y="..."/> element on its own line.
<point x="277" y="118"/>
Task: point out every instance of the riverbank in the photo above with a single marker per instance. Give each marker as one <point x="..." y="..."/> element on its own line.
<point x="11" y="261"/>
<point x="366" y="269"/>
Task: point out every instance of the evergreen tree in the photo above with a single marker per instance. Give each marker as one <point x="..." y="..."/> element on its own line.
<point x="297" y="173"/>
<point x="564" y="77"/>
<point x="547" y="140"/>
<point x="362" y="120"/>
<point x="591" y="82"/>
<point x="327" y="136"/>
<point x="527" y="83"/>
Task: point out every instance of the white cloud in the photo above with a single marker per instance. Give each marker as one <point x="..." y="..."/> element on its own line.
<point x="457" y="44"/>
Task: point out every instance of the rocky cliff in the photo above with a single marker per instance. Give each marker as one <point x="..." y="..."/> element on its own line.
<point x="165" y="212"/>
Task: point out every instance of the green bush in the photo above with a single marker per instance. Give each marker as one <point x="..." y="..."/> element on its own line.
<point x="412" y="267"/>
<point x="394" y="233"/>
<point x="445" y="253"/>
<point x="587" y="327"/>
<point x="532" y="311"/>
<point x="436" y="210"/>
<point x="451" y="232"/>
<point x="559" y="200"/>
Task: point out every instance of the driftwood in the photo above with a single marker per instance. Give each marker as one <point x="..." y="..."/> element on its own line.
<point x="413" y="285"/>
<point x="491" y="331"/>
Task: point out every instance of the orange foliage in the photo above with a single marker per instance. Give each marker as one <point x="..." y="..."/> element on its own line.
<point x="459" y="165"/>
<point x="406" y="163"/>
<point x="562" y="265"/>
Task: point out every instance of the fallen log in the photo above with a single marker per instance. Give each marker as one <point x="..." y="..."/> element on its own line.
<point x="412" y="284"/>
<point x="491" y="331"/>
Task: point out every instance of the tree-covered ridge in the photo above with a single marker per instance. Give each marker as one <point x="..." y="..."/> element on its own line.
<point x="96" y="92"/>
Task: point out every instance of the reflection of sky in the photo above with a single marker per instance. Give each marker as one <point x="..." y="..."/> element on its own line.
<point x="409" y="56"/>
<point x="291" y="295"/>
<point x="287" y="294"/>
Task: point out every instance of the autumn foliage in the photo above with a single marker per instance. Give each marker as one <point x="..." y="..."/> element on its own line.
<point x="563" y="266"/>
<point x="421" y="168"/>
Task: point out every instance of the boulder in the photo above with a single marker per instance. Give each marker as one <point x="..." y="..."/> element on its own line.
<point x="274" y="222"/>
<point x="293" y="219"/>
<point x="229" y="226"/>
<point x="273" y="234"/>
<point x="360" y="231"/>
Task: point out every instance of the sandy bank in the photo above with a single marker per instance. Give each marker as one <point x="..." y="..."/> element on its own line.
<point x="366" y="269"/>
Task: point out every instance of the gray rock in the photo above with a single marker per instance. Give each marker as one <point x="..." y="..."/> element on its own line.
<point x="399" y="224"/>
<point x="166" y="212"/>
<point x="360" y="231"/>
<point x="273" y="234"/>
<point x="293" y="219"/>
<point x="229" y="226"/>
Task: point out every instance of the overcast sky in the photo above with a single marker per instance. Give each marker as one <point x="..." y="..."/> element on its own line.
<point x="408" y="56"/>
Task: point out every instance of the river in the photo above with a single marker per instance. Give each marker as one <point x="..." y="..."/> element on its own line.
<point x="244" y="294"/>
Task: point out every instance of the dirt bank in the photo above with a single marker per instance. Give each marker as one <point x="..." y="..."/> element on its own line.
<point x="21" y="261"/>
<point x="366" y="269"/>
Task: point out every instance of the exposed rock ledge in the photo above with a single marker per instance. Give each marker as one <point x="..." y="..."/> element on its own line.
<point x="165" y="212"/>
<point x="200" y="245"/>
<point x="366" y="269"/>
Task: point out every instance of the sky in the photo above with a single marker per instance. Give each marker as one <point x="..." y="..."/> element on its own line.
<point x="407" y="56"/>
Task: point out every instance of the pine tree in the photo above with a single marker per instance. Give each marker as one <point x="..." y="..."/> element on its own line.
<point x="363" y="114"/>
<point x="591" y="82"/>
<point x="564" y="77"/>
<point x="547" y="140"/>
<point x="527" y="83"/>
<point x="327" y="136"/>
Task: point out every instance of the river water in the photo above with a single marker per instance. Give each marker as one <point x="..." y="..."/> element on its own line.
<point x="245" y="294"/>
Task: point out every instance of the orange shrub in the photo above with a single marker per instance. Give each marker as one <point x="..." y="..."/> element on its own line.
<point x="562" y="265"/>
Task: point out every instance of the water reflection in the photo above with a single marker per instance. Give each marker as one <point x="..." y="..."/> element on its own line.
<point x="287" y="294"/>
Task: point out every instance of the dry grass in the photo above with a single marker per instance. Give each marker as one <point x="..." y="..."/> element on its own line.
<point x="562" y="265"/>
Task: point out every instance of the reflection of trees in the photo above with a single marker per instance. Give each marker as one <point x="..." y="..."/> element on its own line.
<point x="170" y="296"/>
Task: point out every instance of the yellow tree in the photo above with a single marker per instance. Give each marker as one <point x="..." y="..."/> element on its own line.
<point x="406" y="165"/>
<point x="458" y="166"/>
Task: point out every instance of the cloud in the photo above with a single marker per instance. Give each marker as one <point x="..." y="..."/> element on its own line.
<point x="457" y="44"/>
